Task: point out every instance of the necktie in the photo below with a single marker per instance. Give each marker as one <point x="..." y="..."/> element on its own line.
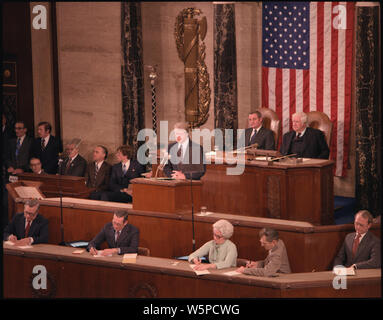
<point x="299" y="135"/>
<point x="27" y="228"/>
<point x="124" y="169"/>
<point x="68" y="165"/>
<point x="117" y="235"/>
<point x="42" y="143"/>
<point x="355" y="244"/>
<point x="96" y="169"/>
<point x="18" y="146"/>
<point x="179" y="152"/>
<point x="252" y="137"/>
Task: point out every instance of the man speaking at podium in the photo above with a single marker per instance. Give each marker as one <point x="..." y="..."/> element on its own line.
<point x="186" y="157"/>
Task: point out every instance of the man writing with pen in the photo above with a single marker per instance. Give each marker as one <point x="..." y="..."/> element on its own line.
<point x="276" y="260"/>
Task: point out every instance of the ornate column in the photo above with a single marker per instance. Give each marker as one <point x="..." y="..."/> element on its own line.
<point x="132" y="72"/>
<point x="225" y="69"/>
<point x="368" y="111"/>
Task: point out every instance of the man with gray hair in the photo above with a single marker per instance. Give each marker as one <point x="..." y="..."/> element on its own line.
<point x="187" y="159"/>
<point x="221" y="251"/>
<point x="74" y="164"/>
<point x="360" y="249"/>
<point x="276" y="260"/>
<point x="28" y="227"/>
<point x="304" y="141"/>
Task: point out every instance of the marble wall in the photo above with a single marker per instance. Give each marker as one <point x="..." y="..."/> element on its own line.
<point x="89" y="46"/>
<point x="89" y="49"/>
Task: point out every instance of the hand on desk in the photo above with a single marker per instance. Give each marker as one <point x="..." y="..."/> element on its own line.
<point x="205" y="266"/>
<point x="105" y="252"/>
<point x="23" y="242"/>
<point x="178" y="175"/>
<point x="249" y="264"/>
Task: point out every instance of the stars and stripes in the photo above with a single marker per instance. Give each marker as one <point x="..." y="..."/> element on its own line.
<point x="306" y="65"/>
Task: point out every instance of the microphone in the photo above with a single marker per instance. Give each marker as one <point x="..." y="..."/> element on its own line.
<point x="164" y="160"/>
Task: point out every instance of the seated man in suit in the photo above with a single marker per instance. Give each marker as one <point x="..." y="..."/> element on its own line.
<point x="304" y="141"/>
<point x="97" y="174"/>
<point x="122" y="172"/>
<point x="74" y="164"/>
<point x="28" y="227"/>
<point x="120" y="236"/>
<point x="46" y="148"/>
<point x="187" y="159"/>
<point x="276" y="260"/>
<point x="360" y="249"/>
<point x="19" y="150"/>
<point x="35" y="165"/>
<point x="256" y="133"/>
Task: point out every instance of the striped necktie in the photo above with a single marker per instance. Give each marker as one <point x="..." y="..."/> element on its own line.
<point x="18" y="145"/>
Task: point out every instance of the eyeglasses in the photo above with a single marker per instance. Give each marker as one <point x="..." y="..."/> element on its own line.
<point x="217" y="236"/>
<point x="19" y="128"/>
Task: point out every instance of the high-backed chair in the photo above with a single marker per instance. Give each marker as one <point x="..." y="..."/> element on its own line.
<point x="143" y="251"/>
<point x="271" y="121"/>
<point x="320" y="120"/>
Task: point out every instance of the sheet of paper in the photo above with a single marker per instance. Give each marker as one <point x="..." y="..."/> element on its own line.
<point x="344" y="271"/>
<point x="205" y="214"/>
<point x="24" y="247"/>
<point x="199" y="272"/>
<point x="78" y="251"/>
<point x="232" y="273"/>
<point x="28" y="192"/>
<point x="98" y="255"/>
<point x="129" y="258"/>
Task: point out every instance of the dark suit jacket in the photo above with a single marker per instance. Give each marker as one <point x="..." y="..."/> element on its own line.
<point x="38" y="231"/>
<point x="367" y="256"/>
<point x="22" y="159"/>
<point x="101" y="183"/>
<point x="314" y="144"/>
<point x="127" y="241"/>
<point x="196" y="166"/>
<point x="77" y="168"/>
<point x="119" y="181"/>
<point x="48" y="156"/>
<point x="6" y="136"/>
<point x="264" y="138"/>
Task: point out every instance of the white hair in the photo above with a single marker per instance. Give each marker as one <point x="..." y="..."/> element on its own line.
<point x="225" y="227"/>
<point x="302" y="115"/>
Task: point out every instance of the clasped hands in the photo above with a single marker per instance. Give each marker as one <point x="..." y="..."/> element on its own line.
<point x="178" y="175"/>
<point x="22" y="242"/>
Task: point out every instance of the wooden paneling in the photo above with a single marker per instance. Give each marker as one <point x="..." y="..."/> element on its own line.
<point x="83" y="276"/>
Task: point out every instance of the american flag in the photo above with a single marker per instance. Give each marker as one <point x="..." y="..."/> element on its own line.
<point x="307" y="63"/>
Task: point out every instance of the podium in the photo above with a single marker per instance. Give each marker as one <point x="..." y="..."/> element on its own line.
<point x="164" y="195"/>
<point x="52" y="184"/>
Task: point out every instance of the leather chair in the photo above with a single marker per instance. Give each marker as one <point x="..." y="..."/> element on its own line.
<point x="143" y="251"/>
<point x="272" y="122"/>
<point x="320" y="120"/>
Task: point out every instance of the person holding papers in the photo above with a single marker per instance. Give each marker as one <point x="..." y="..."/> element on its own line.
<point x="120" y="236"/>
<point x="360" y="249"/>
<point x="28" y="227"/>
<point x="275" y="262"/>
<point x="222" y="253"/>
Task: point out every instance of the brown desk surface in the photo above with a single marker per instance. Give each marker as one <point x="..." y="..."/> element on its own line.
<point x="165" y="266"/>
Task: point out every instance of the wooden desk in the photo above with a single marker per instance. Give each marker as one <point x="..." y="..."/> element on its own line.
<point x="83" y="276"/>
<point x="284" y="190"/>
<point x="169" y="235"/>
<point x="173" y="196"/>
<point x="52" y="184"/>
